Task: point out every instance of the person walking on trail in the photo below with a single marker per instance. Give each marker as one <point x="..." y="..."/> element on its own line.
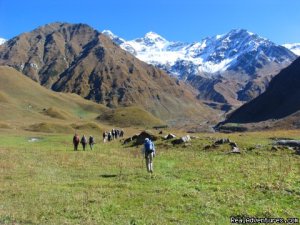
<point x="76" y="141"/>
<point x="149" y="153"/>
<point x="91" y="142"/>
<point x="109" y="136"/>
<point x="104" y="135"/>
<point x="83" y="142"/>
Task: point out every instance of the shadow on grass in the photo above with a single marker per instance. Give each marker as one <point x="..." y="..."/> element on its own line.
<point x="108" y="175"/>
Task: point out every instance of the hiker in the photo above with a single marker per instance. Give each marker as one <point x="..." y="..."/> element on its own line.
<point x="104" y="135"/>
<point x="76" y="141"/>
<point x="109" y="136"/>
<point x="121" y="133"/>
<point x="113" y="134"/>
<point x="83" y="142"/>
<point x="149" y="152"/>
<point x="91" y="142"/>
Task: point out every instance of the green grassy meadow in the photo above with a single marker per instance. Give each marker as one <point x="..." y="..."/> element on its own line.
<point x="46" y="182"/>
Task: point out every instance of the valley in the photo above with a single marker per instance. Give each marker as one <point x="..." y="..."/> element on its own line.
<point x="46" y="182"/>
<point x="237" y="89"/>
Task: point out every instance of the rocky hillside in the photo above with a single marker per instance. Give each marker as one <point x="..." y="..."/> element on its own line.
<point x="231" y="68"/>
<point x="280" y="100"/>
<point x="76" y="58"/>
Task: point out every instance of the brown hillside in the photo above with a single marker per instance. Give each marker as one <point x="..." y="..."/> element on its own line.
<point x="76" y="58"/>
<point x="280" y="100"/>
<point x="24" y="101"/>
<point x="26" y="104"/>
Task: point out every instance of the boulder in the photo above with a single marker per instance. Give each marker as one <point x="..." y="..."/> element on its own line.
<point x="181" y="140"/>
<point x="140" y="138"/>
<point x="169" y="136"/>
<point x="235" y="150"/>
<point x="126" y="141"/>
<point x="143" y="135"/>
<point x="290" y="143"/>
<point x="134" y="137"/>
<point x="233" y="144"/>
<point x="222" y="141"/>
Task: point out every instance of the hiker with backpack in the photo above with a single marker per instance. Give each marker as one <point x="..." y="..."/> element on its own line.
<point x="91" y="142"/>
<point x="109" y="136"/>
<point x="76" y="141"/>
<point x="104" y="136"/>
<point x="83" y="142"/>
<point x="149" y="153"/>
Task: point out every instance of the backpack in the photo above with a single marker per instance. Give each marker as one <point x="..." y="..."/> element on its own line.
<point x="149" y="147"/>
<point x="76" y="139"/>
<point x="83" y="140"/>
<point x="91" y="140"/>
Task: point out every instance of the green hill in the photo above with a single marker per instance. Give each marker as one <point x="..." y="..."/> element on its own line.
<point x="130" y="116"/>
<point x="27" y="105"/>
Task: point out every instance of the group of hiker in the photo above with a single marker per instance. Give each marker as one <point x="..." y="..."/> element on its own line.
<point x="83" y="141"/>
<point x="107" y="136"/>
<point x="148" y="149"/>
<point x="113" y="134"/>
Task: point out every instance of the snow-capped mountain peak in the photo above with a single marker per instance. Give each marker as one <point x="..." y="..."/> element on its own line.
<point x="154" y="36"/>
<point x="150" y="40"/>
<point x="210" y="56"/>
<point x="2" y="40"/>
<point x="109" y="33"/>
<point x="113" y="37"/>
<point x="227" y="68"/>
<point x="293" y="47"/>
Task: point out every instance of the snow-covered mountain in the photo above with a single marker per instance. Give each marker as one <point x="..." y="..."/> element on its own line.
<point x="294" y="48"/>
<point x="227" y="68"/>
<point x="210" y="56"/>
<point x="113" y="37"/>
<point x="2" y="40"/>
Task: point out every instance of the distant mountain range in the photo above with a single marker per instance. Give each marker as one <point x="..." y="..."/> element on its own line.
<point x="230" y="69"/>
<point x="76" y="58"/>
<point x="226" y="70"/>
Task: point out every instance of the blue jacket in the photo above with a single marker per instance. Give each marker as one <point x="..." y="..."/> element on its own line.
<point x="153" y="147"/>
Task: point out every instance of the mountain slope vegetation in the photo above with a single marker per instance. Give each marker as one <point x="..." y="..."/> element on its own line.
<point x="78" y="59"/>
<point x="27" y="105"/>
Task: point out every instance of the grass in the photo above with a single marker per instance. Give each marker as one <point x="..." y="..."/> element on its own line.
<point x="56" y="113"/>
<point x="4" y="125"/>
<point x="130" y="116"/>
<point x="46" y="182"/>
<point x="49" y="128"/>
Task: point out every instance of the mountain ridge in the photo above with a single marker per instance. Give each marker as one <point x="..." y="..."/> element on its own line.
<point x="239" y="56"/>
<point x="294" y="47"/>
<point x="76" y="58"/>
<point x="280" y="100"/>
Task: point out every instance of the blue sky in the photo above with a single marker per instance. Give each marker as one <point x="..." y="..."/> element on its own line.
<point x="182" y="20"/>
